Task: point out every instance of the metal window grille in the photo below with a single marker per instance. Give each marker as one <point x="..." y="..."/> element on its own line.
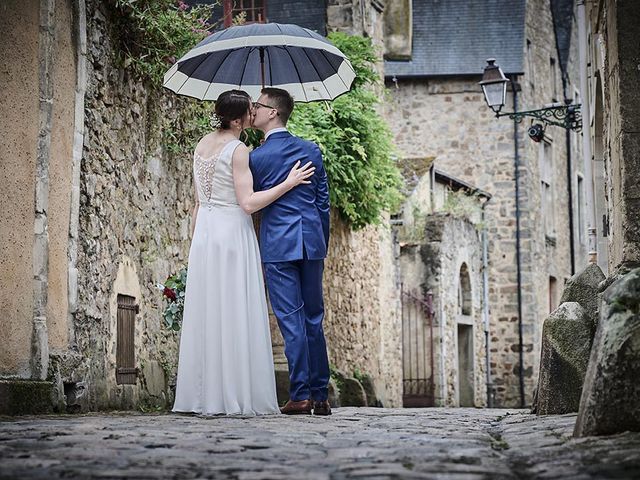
<point x="126" y="371"/>
<point x="256" y="11"/>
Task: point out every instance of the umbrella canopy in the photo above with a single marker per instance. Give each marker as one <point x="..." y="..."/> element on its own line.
<point x="249" y="57"/>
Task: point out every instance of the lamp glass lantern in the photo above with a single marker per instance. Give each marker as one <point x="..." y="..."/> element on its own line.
<point x="494" y="85"/>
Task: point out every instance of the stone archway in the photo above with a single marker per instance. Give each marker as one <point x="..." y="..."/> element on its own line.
<point x="465" y="339"/>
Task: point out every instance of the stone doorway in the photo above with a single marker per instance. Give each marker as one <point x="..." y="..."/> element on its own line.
<point x="465" y="365"/>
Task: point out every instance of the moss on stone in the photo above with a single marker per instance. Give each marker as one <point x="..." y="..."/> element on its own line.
<point x="23" y="397"/>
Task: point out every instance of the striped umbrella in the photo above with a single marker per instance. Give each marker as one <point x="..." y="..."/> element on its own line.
<point x="248" y="57"/>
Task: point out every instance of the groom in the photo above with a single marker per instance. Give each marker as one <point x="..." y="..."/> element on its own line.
<point x="294" y="235"/>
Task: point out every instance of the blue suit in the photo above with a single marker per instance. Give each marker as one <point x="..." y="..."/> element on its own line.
<point x="294" y="235"/>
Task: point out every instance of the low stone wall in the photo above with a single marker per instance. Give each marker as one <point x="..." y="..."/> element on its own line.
<point x="362" y="304"/>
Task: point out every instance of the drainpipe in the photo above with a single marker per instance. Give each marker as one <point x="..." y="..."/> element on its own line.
<point x="567" y="135"/>
<point x="586" y="139"/>
<point x="516" y="164"/>
<point x="485" y="305"/>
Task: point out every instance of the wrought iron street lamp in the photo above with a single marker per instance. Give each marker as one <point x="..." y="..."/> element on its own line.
<point x="494" y="87"/>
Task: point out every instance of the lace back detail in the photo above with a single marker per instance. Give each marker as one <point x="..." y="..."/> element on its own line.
<point x="205" y="168"/>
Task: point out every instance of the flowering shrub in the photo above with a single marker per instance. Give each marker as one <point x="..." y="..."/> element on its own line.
<point x="173" y="291"/>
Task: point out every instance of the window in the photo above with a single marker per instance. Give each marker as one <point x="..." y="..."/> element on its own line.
<point x="464" y="292"/>
<point x="546" y="188"/>
<point x="580" y="210"/>
<point x="554" y="79"/>
<point x="530" y="64"/>
<point x="126" y="371"/>
<point x="255" y="11"/>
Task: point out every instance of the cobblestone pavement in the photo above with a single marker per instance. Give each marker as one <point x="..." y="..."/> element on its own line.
<point x="354" y="443"/>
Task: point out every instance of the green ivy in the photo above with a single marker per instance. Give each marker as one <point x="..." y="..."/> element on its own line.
<point x="355" y="140"/>
<point x="155" y="33"/>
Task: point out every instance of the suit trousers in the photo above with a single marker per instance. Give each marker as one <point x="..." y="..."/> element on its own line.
<point x="295" y="293"/>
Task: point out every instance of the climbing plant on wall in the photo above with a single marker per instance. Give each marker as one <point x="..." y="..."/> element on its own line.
<point x="355" y="140"/>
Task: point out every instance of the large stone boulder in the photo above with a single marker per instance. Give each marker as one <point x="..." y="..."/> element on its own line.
<point x="350" y="391"/>
<point x="370" y="390"/>
<point x="610" y="401"/>
<point x="567" y="335"/>
<point x="583" y="289"/>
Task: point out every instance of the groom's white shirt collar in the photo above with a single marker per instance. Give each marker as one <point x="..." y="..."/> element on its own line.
<point x="275" y="130"/>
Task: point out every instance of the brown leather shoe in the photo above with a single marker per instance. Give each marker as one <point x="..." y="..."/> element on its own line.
<point x="301" y="407"/>
<point x="321" y="407"/>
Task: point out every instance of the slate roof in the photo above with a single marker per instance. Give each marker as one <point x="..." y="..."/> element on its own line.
<point x="455" y="37"/>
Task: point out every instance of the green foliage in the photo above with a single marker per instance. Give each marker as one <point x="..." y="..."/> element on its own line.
<point x="355" y="141"/>
<point x="462" y="204"/>
<point x="155" y="33"/>
<point x="173" y="291"/>
<point x="181" y="134"/>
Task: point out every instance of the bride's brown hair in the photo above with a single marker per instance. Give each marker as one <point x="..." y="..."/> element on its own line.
<point x="232" y="105"/>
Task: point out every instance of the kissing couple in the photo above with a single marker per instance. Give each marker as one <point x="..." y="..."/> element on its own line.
<point x="225" y="362"/>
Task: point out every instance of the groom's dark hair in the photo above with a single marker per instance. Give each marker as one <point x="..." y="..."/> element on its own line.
<point x="281" y="100"/>
<point x="231" y="105"/>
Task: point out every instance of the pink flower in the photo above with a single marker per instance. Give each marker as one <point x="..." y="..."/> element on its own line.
<point x="182" y="6"/>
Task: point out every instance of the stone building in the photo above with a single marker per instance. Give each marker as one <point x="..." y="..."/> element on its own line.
<point x="99" y="213"/>
<point x="435" y="58"/>
<point x="442" y="257"/>
<point x="610" y="55"/>
<point x="613" y="108"/>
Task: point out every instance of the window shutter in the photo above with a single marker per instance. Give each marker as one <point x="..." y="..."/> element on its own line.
<point x="126" y="371"/>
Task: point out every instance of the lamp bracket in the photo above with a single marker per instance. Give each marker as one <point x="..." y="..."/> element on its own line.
<point x="565" y="116"/>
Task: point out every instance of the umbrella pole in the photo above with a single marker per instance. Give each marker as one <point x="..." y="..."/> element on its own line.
<point x="262" y="65"/>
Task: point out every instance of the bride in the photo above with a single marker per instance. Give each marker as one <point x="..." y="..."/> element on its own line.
<point x="225" y="364"/>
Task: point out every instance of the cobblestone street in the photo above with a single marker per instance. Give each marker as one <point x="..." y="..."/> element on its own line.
<point x="353" y="443"/>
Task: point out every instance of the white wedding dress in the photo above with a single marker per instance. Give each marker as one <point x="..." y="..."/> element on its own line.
<point x="225" y="364"/>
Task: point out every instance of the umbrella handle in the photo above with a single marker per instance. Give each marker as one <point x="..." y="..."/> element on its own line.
<point x="262" y="65"/>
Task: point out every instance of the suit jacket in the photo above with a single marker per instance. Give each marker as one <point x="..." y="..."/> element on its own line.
<point x="299" y="218"/>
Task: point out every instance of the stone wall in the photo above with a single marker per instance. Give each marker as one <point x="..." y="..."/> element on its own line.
<point x="18" y="140"/>
<point x="614" y="58"/>
<point x="133" y="224"/>
<point x="362" y="308"/>
<point x="447" y="120"/>
<point x="362" y="321"/>
<point x="550" y="250"/>
<point x="60" y="171"/>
